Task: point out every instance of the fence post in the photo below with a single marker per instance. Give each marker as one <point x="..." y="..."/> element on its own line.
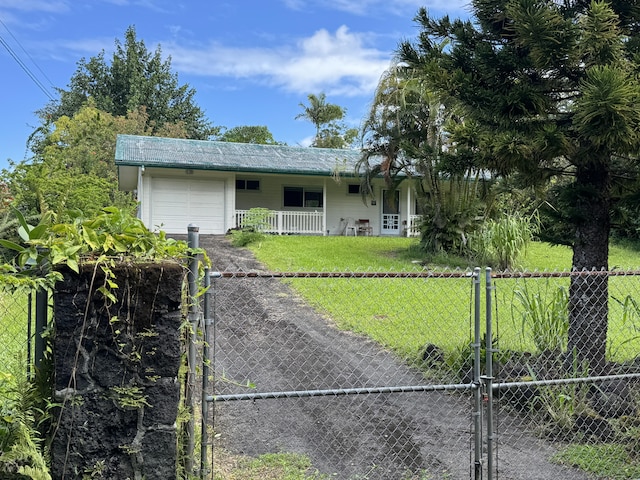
<point x="477" y="393"/>
<point x="489" y="373"/>
<point x="41" y="303"/>
<point x="193" y="242"/>
<point x="206" y="362"/>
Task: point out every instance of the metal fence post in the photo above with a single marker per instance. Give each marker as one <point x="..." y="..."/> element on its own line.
<point x="192" y="276"/>
<point x="489" y="373"/>
<point x="477" y="393"/>
<point x="206" y="361"/>
<point x="41" y="303"/>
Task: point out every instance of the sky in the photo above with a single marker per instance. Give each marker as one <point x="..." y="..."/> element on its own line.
<point x="250" y="62"/>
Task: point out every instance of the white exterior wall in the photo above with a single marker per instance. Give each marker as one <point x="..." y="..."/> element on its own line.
<point x="340" y="207"/>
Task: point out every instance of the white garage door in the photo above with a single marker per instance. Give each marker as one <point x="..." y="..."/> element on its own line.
<point x="177" y="203"/>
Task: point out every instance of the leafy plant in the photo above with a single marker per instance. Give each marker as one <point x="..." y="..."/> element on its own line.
<point x="20" y="443"/>
<point x="505" y="240"/>
<point x="252" y="230"/>
<point x="114" y="234"/>
<point x="544" y="316"/>
<point x="562" y="404"/>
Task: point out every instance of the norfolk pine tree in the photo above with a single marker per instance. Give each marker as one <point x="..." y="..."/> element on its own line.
<point x="552" y="88"/>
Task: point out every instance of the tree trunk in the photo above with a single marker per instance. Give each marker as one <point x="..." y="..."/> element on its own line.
<point x="588" y="293"/>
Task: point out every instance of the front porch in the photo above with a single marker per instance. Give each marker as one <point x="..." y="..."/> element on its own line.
<point x="284" y="222"/>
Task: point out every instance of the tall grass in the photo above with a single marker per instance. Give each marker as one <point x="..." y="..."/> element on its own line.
<point x="544" y="313"/>
<point x="503" y="242"/>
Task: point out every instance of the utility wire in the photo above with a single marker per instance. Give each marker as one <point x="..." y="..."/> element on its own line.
<point x="27" y="53"/>
<point x="25" y="68"/>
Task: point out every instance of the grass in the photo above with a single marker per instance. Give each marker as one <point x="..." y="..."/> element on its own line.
<point x="275" y="466"/>
<point x="434" y="310"/>
<point x="610" y="461"/>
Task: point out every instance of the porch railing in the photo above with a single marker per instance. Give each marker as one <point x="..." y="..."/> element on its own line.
<point x="283" y="222"/>
<point x="413" y="227"/>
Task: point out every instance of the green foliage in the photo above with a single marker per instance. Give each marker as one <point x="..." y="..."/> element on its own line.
<point x="20" y="443"/>
<point x="607" y="460"/>
<point x="259" y="134"/>
<point x="254" y="224"/>
<point x="551" y="89"/>
<point x="74" y="168"/>
<point x="113" y="234"/>
<point x="326" y="117"/>
<point x="411" y="132"/>
<point x="134" y="78"/>
<point x="503" y="242"/>
<point x="544" y="316"/>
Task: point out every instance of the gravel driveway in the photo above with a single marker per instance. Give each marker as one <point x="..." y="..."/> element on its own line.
<point x="266" y="336"/>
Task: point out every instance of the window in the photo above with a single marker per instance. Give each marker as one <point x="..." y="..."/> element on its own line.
<point x="247" y="184"/>
<point x="302" y="197"/>
<point x="353" y="189"/>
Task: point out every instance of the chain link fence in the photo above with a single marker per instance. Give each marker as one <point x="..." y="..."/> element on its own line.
<point x="567" y="363"/>
<point x="425" y="375"/>
<point x="17" y="330"/>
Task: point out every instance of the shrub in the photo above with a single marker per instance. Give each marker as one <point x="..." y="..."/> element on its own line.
<point x="253" y="227"/>
<point x="503" y="241"/>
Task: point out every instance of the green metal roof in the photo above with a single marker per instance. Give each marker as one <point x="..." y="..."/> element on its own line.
<point x="133" y="150"/>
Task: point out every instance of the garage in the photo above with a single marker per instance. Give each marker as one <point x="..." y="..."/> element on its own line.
<point x="176" y="203"/>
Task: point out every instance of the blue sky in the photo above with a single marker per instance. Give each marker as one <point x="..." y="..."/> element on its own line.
<point x="250" y="62"/>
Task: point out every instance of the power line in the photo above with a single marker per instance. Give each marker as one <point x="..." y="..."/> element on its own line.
<point x="25" y="67"/>
<point x="27" y="53"/>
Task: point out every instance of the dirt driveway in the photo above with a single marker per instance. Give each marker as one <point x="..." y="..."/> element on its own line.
<point x="267" y="337"/>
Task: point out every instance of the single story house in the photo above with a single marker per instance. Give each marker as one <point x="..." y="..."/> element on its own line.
<point x="311" y="191"/>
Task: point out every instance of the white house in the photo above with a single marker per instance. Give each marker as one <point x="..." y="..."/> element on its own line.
<point x="212" y="184"/>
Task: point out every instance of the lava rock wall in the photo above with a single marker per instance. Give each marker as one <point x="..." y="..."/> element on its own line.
<point x="116" y="355"/>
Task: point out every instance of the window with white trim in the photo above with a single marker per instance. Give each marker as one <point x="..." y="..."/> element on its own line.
<point x="308" y="197"/>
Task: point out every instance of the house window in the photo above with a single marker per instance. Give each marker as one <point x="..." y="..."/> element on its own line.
<point x="353" y="189"/>
<point x="302" y="197"/>
<point x="247" y="184"/>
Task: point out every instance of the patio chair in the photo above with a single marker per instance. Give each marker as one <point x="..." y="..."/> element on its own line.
<point x="364" y="227"/>
<point x="350" y="227"/>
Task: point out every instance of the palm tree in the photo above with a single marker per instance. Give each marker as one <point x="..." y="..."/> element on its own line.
<point x="330" y="132"/>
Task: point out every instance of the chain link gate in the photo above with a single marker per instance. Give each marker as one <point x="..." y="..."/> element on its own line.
<point x="303" y="365"/>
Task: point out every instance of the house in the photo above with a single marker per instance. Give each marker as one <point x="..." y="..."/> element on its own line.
<point x="311" y="191"/>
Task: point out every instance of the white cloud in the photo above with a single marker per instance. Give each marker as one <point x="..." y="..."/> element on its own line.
<point x="54" y="6"/>
<point x="336" y="63"/>
<point x="398" y="7"/>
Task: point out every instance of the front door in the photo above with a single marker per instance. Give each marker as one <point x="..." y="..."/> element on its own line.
<point x="390" y="213"/>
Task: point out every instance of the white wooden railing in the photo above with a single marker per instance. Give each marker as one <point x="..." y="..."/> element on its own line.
<point x="413" y="227"/>
<point x="283" y="222"/>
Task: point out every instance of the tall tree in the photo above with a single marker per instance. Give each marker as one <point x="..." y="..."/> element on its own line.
<point x="327" y="118"/>
<point x="75" y="168"/>
<point x="248" y="134"/>
<point x="410" y="133"/>
<point x="134" y="78"/>
<point x="553" y="89"/>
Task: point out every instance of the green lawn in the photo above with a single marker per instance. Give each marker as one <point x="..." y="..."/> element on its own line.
<point x="407" y="314"/>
